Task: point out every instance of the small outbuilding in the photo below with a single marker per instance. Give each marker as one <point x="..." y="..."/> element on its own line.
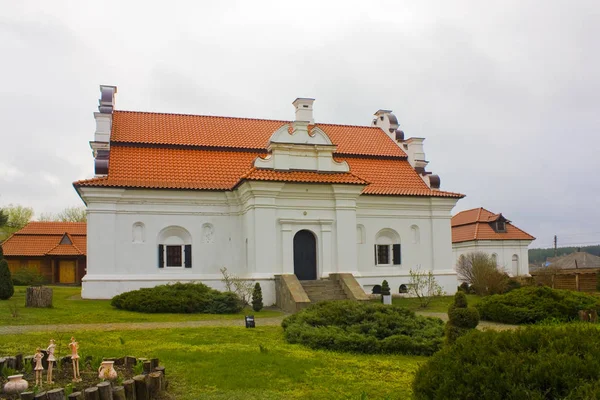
<point x="57" y="250"/>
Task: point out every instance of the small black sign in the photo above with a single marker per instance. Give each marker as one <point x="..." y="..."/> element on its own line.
<point x="250" y="321"/>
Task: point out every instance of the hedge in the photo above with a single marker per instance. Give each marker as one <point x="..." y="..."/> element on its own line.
<point x="532" y="304"/>
<point x="364" y="327"/>
<point x="557" y="362"/>
<point x="183" y="298"/>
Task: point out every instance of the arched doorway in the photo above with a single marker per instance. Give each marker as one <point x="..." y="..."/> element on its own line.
<point x="305" y="256"/>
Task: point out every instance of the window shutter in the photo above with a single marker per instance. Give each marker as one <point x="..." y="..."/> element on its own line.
<point x="397" y="255"/>
<point x="161" y="256"/>
<point x="188" y="256"/>
<point x="375" y="254"/>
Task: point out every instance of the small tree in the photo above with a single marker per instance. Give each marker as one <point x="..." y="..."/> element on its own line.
<point x="237" y="285"/>
<point x="481" y="272"/>
<point x="257" y="302"/>
<point x="424" y="286"/>
<point x="6" y="284"/>
<point x="461" y="318"/>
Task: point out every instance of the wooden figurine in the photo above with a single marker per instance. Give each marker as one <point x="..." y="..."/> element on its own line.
<point x="38" y="366"/>
<point x="51" y="360"/>
<point x="74" y="346"/>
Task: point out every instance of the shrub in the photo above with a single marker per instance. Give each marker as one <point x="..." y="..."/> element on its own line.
<point x="364" y="327"/>
<point x="535" y="303"/>
<point x="257" y="302"/>
<point x="481" y="272"/>
<point x="28" y="277"/>
<point x="512" y="284"/>
<point x="178" y="298"/>
<point x="385" y="288"/>
<point x="6" y="284"/>
<point x="422" y="284"/>
<point x="561" y="362"/>
<point x="461" y="318"/>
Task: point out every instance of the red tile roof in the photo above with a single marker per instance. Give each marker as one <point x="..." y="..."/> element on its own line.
<point x="39" y="239"/>
<point x="173" y="151"/>
<point x="475" y="225"/>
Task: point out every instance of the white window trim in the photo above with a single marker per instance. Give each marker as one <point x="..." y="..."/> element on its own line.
<point x="390" y="255"/>
<point x="165" y="266"/>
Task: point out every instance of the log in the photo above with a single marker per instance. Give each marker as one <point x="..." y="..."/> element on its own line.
<point x="40" y="396"/>
<point x="27" y="395"/>
<point x="153" y="363"/>
<point x="10" y="362"/>
<point x="120" y="361"/>
<point x="19" y="362"/>
<point x="130" y="361"/>
<point x="56" y="394"/>
<point x="141" y="389"/>
<point x="38" y="296"/>
<point x="119" y="393"/>
<point x="105" y="391"/>
<point x="91" y="394"/>
<point x="76" y="396"/>
<point x="147" y="367"/>
<point x="155" y="386"/>
<point x="129" y="387"/>
<point x="160" y="368"/>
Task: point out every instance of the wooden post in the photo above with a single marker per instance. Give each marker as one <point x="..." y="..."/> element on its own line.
<point x="56" y="394"/>
<point x="105" y="390"/>
<point x="118" y="393"/>
<point x="141" y="390"/>
<point x="76" y="396"/>
<point x="27" y="395"/>
<point x="130" y="361"/>
<point x="91" y="394"/>
<point x="129" y="387"/>
<point x="160" y="368"/>
<point x="40" y="396"/>
<point x="10" y="362"/>
<point x="38" y="296"/>
<point x="155" y="384"/>
<point x="147" y="367"/>
<point x="153" y="363"/>
<point x="19" y="362"/>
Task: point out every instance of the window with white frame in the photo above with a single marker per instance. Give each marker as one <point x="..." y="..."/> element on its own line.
<point x="387" y="248"/>
<point x="174" y="248"/>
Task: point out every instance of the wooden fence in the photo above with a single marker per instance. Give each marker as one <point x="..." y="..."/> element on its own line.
<point x="579" y="280"/>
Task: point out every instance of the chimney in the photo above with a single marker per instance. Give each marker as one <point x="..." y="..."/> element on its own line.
<point x="388" y="122"/>
<point x="304" y="109"/>
<point x="101" y="143"/>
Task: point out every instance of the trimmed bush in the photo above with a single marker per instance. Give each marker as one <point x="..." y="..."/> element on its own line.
<point x="364" y="327"/>
<point x="532" y="304"/>
<point x="461" y="318"/>
<point x="385" y="288"/>
<point x="181" y="298"/>
<point x="6" y="284"/>
<point x="558" y="362"/>
<point x="257" y="301"/>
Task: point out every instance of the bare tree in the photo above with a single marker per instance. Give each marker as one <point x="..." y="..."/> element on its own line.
<point x="480" y="271"/>
<point x="422" y="284"/>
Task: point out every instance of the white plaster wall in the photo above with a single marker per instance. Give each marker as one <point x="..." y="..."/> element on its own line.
<point x="504" y="249"/>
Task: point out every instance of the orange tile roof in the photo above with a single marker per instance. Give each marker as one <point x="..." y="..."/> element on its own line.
<point x="475" y="225"/>
<point x="238" y="133"/>
<point x="166" y="168"/>
<point x="39" y="239"/>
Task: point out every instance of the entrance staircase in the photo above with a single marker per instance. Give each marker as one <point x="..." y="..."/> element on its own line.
<point x="323" y="289"/>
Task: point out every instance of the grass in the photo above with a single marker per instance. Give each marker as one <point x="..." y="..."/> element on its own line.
<point x="238" y="363"/>
<point x="69" y="308"/>
<point x="438" y="304"/>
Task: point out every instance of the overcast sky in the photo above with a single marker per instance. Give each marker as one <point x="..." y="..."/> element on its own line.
<point x="506" y="93"/>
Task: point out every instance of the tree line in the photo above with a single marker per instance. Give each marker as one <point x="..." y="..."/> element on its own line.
<point x="15" y="217"/>
<point x="537" y="256"/>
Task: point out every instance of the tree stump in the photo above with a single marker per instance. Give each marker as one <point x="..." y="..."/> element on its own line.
<point x="141" y="390"/>
<point x="91" y="394"/>
<point x="76" y="396"/>
<point x="38" y="296"/>
<point x="119" y="393"/>
<point x="147" y="367"/>
<point x="153" y="363"/>
<point x="56" y="394"/>
<point x="130" y="361"/>
<point x="160" y="369"/>
<point x="105" y="391"/>
<point x="19" y="362"/>
<point x="129" y="387"/>
<point x="155" y="384"/>
<point x="40" y="396"/>
<point x="27" y="396"/>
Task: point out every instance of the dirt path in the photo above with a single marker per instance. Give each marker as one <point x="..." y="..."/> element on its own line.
<point x="482" y="324"/>
<point x="124" y="326"/>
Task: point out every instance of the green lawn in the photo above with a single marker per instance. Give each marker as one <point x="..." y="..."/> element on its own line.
<point x="228" y="363"/>
<point x="69" y="308"/>
<point x="438" y="304"/>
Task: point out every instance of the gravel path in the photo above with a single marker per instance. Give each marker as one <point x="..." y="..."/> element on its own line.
<point x="17" y="329"/>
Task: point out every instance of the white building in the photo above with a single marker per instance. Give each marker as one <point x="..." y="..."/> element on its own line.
<point x="177" y="197"/>
<point x="481" y="230"/>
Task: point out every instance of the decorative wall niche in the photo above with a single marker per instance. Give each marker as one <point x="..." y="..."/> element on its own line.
<point x="208" y="233"/>
<point x="138" y="234"/>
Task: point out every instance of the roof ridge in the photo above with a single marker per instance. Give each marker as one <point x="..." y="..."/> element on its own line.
<point x="476" y="230"/>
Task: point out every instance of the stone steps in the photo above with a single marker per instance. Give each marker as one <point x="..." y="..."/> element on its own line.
<point x="322" y="290"/>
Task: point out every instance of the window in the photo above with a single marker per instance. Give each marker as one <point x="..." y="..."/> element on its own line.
<point x="387" y="248"/>
<point x="515" y="264"/>
<point x="500" y="226"/>
<point x="174" y="248"/>
<point x="403" y="289"/>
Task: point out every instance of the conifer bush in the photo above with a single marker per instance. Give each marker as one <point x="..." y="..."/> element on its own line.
<point x="385" y="288"/>
<point x="257" y="300"/>
<point x="364" y="327"/>
<point x="461" y="318"/>
<point x="536" y="362"/>
<point x="6" y="284"/>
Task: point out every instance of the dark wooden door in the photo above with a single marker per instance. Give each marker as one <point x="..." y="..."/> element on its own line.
<point x="305" y="256"/>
